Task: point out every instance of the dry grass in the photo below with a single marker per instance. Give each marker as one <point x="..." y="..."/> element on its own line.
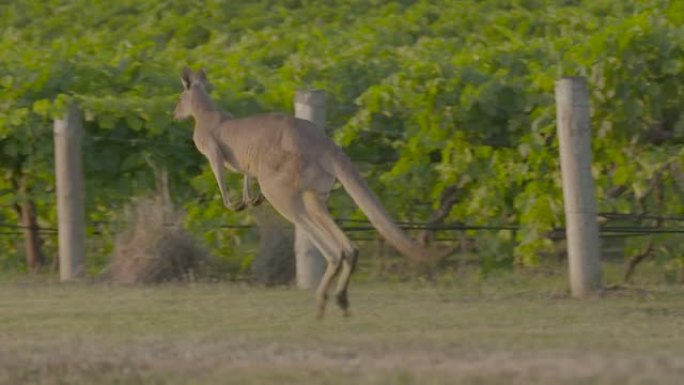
<point x="154" y="247"/>
<point x="275" y="262"/>
<point x="503" y="331"/>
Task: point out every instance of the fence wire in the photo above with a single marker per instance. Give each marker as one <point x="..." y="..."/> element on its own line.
<point x="360" y="225"/>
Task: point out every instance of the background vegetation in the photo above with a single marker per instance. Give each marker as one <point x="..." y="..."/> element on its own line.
<point x="443" y="105"/>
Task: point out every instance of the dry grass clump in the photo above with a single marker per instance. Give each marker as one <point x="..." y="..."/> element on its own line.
<point x="275" y="261"/>
<point x="154" y="247"/>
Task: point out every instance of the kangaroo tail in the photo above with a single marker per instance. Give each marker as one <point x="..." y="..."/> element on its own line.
<point x="356" y="187"/>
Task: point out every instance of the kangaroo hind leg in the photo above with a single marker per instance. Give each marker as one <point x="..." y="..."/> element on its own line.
<point x="331" y="252"/>
<point x="349" y="260"/>
<point x="318" y="211"/>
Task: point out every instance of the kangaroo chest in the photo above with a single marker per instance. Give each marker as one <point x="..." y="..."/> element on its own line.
<point x="212" y="148"/>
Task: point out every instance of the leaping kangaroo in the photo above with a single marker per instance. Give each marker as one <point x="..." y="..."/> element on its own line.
<point x="295" y="165"/>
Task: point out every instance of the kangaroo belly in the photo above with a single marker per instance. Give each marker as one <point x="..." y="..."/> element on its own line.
<point x="295" y="171"/>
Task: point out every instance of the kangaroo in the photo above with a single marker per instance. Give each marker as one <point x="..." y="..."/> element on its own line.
<point x="295" y="165"/>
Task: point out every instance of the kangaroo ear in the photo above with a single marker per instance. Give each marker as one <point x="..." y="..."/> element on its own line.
<point x="201" y="76"/>
<point x="185" y="77"/>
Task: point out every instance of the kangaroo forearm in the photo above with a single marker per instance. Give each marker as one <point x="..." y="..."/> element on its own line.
<point x="247" y="195"/>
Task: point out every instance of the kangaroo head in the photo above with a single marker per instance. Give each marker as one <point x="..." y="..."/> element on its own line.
<point x="194" y="92"/>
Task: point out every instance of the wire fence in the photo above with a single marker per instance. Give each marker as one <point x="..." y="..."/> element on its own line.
<point x="360" y="225"/>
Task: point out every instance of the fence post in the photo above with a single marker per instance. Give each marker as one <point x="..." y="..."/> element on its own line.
<point x="310" y="263"/>
<point x="574" y="136"/>
<point x="68" y="135"/>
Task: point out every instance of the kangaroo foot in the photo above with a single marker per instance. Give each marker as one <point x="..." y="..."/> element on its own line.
<point x="322" y="299"/>
<point x="343" y="303"/>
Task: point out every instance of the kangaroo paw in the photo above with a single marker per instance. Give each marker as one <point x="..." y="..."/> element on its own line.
<point x="256" y="201"/>
<point x="238" y="206"/>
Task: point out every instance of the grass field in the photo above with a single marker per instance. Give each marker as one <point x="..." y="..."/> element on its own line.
<point x="508" y="330"/>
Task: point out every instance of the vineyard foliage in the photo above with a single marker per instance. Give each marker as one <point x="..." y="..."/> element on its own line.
<point x="425" y="96"/>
